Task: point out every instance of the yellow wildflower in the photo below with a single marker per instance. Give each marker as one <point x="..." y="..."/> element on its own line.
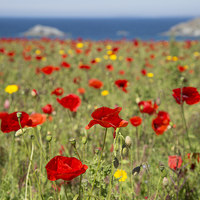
<point x="69" y="51"/>
<point x="186" y="66"/>
<point x="104" y="93"/>
<point x="108" y="47"/>
<point x="109" y="52"/>
<point x="169" y="57"/>
<point x="11" y="89"/>
<point x="174" y="58"/>
<point x="120" y="174"/>
<point x="196" y="54"/>
<point x="113" y="57"/>
<point x="98" y="59"/>
<point x="61" y="52"/>
<point x="105" y="57"/>
<point x="150" y="75"/>
<point x="79" y="45"/>
<point x="44" y="58"/>
<point x="38" y="52"/>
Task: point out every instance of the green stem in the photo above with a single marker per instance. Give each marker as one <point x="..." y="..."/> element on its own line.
<point x="29" y="166"/>
<point x="158" y="187"/>
<point x="65" y="185"/>
<point x="98" y="163"/>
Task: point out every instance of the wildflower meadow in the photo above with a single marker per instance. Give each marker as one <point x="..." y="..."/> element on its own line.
<point x="104" y="120"/>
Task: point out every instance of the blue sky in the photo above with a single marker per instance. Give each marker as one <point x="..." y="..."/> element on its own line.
<point x="100" y="8"/>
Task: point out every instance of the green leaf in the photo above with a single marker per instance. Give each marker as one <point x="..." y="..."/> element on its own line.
<point x="76" y="197"/>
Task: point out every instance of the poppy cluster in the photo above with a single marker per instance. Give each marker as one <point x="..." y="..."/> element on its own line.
<point x="148" y="107"/>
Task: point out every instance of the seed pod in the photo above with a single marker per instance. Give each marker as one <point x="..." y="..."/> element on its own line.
<point x="165" y="182"/>
<point x="162" y="167"/>
<point x="84" y="140"/>
<point x="116" y="162"/>
<point x="48" y="137"/>
<point x="128" y="141"/>
<point x="19" y="132"/>
<point x="96" y="150"/>
<point x="125" y="151"/>
<point x="39" y="127"/>
<point x="19" y="114"/>
<point x="158" y="101"/>
<point x="136" y="171"/>
<point x="73" y="141"/>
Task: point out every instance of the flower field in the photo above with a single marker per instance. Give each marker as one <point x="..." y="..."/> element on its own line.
<point x="114" y="120"/>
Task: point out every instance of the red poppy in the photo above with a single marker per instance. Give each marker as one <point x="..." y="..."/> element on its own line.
<point x="95" y="83"/>
<point x="147" y="107"/>
<point x="135" y="121"/>
<point x="181" y="68"/>
<point x="3" y="114"/>
<point x="77" y="80"/>
<point x="58" y="91"/>
<point x="174" y="162"/>
<point x="65" y="64"/>
<point x="34" y="93"/>
<point x="86" y="67"/>
<point x="81" y="90"/>
<point x="107" y="118"/>
<point x="37" y="119"/>
<point x="48" y="109"/>
<point x="121" y="72"/>
<point x="144" y="72"/>
<point x="38" y="57"/>
<point x="122" y="84"/>
<point x="10" y="122"/>
<point x="194" y="157"/>
<point x="110" y="68"/>
<point x="115" y="49"/>
<point x="78" y="51"/>
<point x="129" y="59"/>
<point x="99" y="49"/>
<point x="2" y="50"/>
<point x="49" y="69"/>
<point x="37" y="70"/>
<point x="189" y="94"/>
<point x="11" y="54"/>
<point x="65" y="168"/>
<point x="70" y="101"/>
<point x="161" y="122"/>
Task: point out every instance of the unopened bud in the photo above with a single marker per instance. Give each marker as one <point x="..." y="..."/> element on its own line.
<point x="161" y="167"/>
<point x="84" y="140"/>
<point x="73" y="141"/>
<point x="171" y="124"/>
<point x="20" y="132"/>
<point x="165" y="182"/>
<point x="116" y="162"/>
<point x="128" y="141"/>
<point x="125" y="151"/>
<point x="39" y="127"/>
<point x="158" y="101"/>
<point x="96" y="150"/>
<point x="34" y="93"/>
<point x="137" y="100"/>
<point x="19" y="114"/>
<point x="32" y="137"/>
<point x="182" y="79"/>
<point x="48" y="137"/>
<point x="136" y="171"/>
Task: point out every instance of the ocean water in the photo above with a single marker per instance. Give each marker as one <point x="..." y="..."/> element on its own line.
<point x="96" y="28"/>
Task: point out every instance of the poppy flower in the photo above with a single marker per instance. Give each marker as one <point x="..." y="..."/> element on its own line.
<point x="86" y="67"/>
<point x="181" y="68"/>
<point x="58" y="91"/>
<point x="93" y="61"/>
<point x="135" y="121"/>
<point x="10" y="122"/>
<point x="110" y="68"/>
<point x="147" y="107"/>
<point x="65" y="168"/>
<point x="37" y="119"/>
<point x="194" y="157"/>
<point x="95" y="83"/>
<point x="77" y="80"/>
<point x="49" y="69"/>
<point x="161" y="122"/>
<point x="71" y="101"/>
<point x="189" y="94"/>
<point x="3" y="114"/>
<point x="107" y="118"/>
<point x="129" y="59"/>
<point x="48" y="109"/>
<point x="38" y="57"/>
<point x="144" y="72"/>
<point x="65" y="64"/>
<point x="121" y="72"/>
<point x="81" y="90"/>
<point x="174" y="162"/>
<point x="122" y="84"/>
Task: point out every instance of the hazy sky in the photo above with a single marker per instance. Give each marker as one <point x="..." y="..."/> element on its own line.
<point x="100" y="8"/>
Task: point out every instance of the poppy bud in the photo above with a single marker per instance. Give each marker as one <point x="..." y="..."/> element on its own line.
<point x="171" y="124"/>
<point x="128" y="141"/>
<point x="165" y="182"/>
<point x="137" y="100"/>
<point x="39" y="127"/>
<point x="34" y="93"/>
<point x="162" y="167"/>
<point x="158" y="101"/>
<point x="125" y="151"/>
<point x="182" y="79"/>
<point x="84" y="182"/>
<point x="136" y="171"/>
<point x="73" y="141"/>
<point x="84" y="140"/>
<point x="32" y="137"/>
<point x="48" y="137"/>
<point x="116" y="162"/>
<point x="19" y="132"/>
<point x="96" y="150"/>
<point x="19" y="114"/>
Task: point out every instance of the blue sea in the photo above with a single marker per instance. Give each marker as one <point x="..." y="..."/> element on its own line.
<point x="97" y="28"/>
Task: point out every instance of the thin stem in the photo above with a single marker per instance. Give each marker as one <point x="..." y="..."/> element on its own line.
<point x="65" y="186"/>
<point x="158" y="187"/>
<point x="98" y="163"/>
<point x="29" y="166"/>
<point x="137" y="138"/>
